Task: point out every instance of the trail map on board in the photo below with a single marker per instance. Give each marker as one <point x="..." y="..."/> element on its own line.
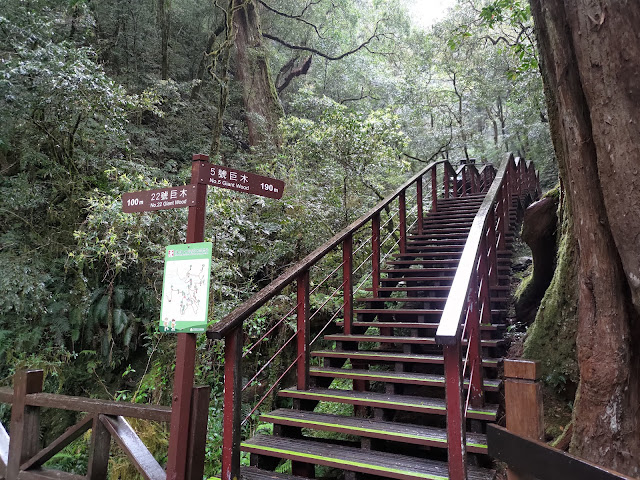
<point x="185" y="289"/>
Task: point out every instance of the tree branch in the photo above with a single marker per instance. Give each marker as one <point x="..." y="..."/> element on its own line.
<point x="374" y="36"/>
<point x="299" y="18"/>
<point x="295" y="72"/>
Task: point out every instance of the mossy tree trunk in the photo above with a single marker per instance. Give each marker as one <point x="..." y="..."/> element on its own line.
<point x="590" y="53"/>
<point x="262" y="106"/>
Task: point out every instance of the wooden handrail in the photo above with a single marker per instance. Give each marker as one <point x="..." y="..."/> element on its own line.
<point x="448" y="332"/>
<point x="158" y="413"/>
<point x="539" y="460"/>
<point x="250" y="306"/>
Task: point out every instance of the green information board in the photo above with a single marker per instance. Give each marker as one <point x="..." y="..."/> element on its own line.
<point x="185" y="288"/>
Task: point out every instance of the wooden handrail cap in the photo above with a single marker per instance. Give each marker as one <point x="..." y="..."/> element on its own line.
<point x="522" y="369"/>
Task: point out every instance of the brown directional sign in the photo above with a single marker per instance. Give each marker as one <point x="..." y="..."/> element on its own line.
<point x="233" y="179"/>
<point x="159" y="199"/>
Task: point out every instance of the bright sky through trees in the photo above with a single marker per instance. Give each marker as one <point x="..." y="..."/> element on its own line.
<point x="425" y="13"/>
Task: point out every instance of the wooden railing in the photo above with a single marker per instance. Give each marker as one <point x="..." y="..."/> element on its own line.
<point x="469" y="301"/>
<point x="371" y="237"/>
<point x="533" y="459"/>
<point x="21" y="454"/>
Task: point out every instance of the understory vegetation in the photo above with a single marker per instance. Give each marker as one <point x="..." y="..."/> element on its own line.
<point x="98" y="98"/>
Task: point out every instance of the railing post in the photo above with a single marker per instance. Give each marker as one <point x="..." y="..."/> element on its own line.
<point x="198" y="432"/>
<point x="303" y="331"/>
<point x="434" y="189"/>
<point x="492" y="248"/>
<point x="419" y="200"/>
<point x="484" y="293"/>
<point x="456" y="423"/>
<point x="445" y="178"/>
<point x="186" y="348"/>
<point x="24" y="430"/>
<point x="375" y="254"/>
<point x="347" y="282"/>
<point x="473" y="179"/>
<point x="98" y="468"/>
<point x="402" y="220"/>
<point x="502" y="229"/>
<point x="463" y="174"/>
<point x="232" y="404"/>
<point x="523" y="401"/>
<point x="476" y="397"/>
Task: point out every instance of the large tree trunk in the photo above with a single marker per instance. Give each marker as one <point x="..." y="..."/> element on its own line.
<point x="164" y="21"/>
<point x="590" y="52"/>
<point x="262" y="106"/>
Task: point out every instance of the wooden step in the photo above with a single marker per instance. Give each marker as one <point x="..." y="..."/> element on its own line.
<point x="421" y="278"/>
<point x="459" y="214"/>
<point x="489" y="343"/>
<point x="411" y="311"/>
<point x="406" y="403"/>
<point x="253" y="473"/>
<point x="494" y="299"/>
<point x="406" y="378"/>
<point x="371" y="428"/>
<point x="377" y="463"/>
<point x="441" y="261"/>
<point x="489" y="327"/>
<point x="435" y="288"/>
<point x="440" y="249"/>
<point x="435" y="253"/>
<point x="392" y="357"/>
<point x="419" y="271"/>
<point x="417" y="279"/>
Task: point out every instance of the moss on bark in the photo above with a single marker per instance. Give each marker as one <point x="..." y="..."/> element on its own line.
<point x="552" y="337"/>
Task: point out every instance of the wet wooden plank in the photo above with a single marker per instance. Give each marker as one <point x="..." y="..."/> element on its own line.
<point x="371" y="428"/>
<point x="354" y="459"/>
<point x="540" y="460"/>
<point x="137" y="452"/>
<point x="158" y="413"/>
<point x="253" y="473"/>
<point x="405" y="403"/>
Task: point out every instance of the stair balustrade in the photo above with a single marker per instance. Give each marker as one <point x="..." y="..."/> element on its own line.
<point x="469" y="301"/>
<point x="353" y="260"/>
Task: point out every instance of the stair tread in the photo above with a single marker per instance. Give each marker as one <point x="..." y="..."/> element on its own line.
<point x="410" y="311"/>
<point x="385" y="464"/>
<point x="369" y="427"/>
<point x="412" y="289"/>
<point x="385" y="400"/>
<point x="382" y="356"/>
<point x="253" y="473"/>
<point x="419" y="325"/>
<point x="400" y="339"/>
<point x="400" y="299"/>
<point x="393" y="377"/>
<point x="417" y="299"/>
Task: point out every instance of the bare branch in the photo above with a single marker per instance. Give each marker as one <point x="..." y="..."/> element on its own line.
<point x="299" y="18"/>
<point x="363" y="45"/>
<point x="361" y="97"/>
<point x="295" y="72"/>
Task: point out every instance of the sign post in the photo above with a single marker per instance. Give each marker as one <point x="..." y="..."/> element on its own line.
<point x="193" y="196"/>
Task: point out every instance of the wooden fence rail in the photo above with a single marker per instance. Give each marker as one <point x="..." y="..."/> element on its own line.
<point x="532" y="459"/>
<point x="22" y="456"/>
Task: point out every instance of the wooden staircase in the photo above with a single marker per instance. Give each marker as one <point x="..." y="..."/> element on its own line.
<point x="382" y="398"/>
<point x="390" y="370"/>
